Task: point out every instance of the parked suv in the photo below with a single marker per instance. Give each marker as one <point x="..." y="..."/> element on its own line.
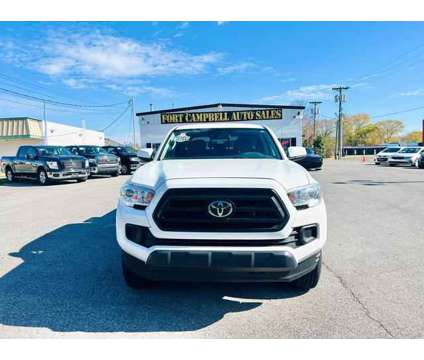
<point x="128" y="158"/>
<point x="101" y="162"/>
<point x="44" y="164"/>
<point x="222" y="202"/>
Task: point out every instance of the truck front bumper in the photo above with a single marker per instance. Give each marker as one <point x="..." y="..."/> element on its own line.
<point x="228" y="266"/>
<point x="67" y="175"/>
<point x="104" y="169"/>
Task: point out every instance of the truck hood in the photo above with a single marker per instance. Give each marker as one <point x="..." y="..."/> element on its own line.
<point x="287" y="173"/>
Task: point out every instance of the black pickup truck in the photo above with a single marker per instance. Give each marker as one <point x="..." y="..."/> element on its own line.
<point x="128" y="156"/>
<point x="100" y="161"/>
<point x="45" y="164"/>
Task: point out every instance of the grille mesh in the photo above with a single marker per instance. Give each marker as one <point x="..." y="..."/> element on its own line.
<point x="253" y="210"/>
<point x="72" y="164"/>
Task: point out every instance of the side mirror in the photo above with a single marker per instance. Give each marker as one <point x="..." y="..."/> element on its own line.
<point x="146" y="154"/>
<point x="296" y="152"/>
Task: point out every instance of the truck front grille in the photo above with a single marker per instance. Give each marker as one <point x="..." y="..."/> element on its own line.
<point x="72" y="164"/>
<point x="259" y="210"/>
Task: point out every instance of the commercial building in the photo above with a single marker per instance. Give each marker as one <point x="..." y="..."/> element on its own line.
<point x="27" y="131"/>
<point x="285" y="121"/>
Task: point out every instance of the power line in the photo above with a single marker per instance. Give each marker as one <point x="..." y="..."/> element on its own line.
<point x="117" y="118"/>
<point x="397" y="112"/>
<point x="53" y="102"/>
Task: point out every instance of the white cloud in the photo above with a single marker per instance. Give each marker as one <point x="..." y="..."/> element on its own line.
<point x="416" y="92"/>
<point x="75" y="84"/>
<point x="302" y="94"/>
<point x="225" y="70"/>
<point x="220" y="23"/>
<point x="103" y="59"/>
<point x="102" y="56"/>
<point x="183" y="25"/>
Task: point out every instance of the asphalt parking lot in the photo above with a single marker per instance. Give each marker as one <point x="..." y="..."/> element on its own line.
<point x="60" y="270"/>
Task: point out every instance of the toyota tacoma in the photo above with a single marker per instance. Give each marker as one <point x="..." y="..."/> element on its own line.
<point x="222" y="202"/>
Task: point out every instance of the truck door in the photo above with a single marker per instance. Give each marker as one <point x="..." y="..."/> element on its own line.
<point x="19" y="162"/>
<point x="30" y="164"/>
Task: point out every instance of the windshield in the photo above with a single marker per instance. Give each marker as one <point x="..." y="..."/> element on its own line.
<point x="390" y="150"/>
<point x="93" y="150"/>
<point x="411" y="150"/>
<point x="126" y="150"/>
<point x="53" y="151"/>
<point x="220" y="143"/>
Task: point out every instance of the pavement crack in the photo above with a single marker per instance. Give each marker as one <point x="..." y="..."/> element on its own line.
<point x="358" y="301"/>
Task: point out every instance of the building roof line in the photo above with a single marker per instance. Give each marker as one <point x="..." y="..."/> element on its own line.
<point x="198" y="107"/>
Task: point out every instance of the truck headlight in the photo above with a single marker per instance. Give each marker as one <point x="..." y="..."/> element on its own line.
<point x="133" y="194"/>
<point x="87" y="164"/>
<point x="53" y="165"/>
<point x="305" y="196"/>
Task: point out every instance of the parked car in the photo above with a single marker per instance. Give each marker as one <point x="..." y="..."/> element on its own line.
<point x="312" y="160"/>
<point x="383" y="156"/>
<point x="222" y="202"/>
<point x="406" y="156"/>
<point x="420" y="161"/>
<point x="128" y="158"/>
<point x="45" y="164"/>
<point x="101" y="162"/>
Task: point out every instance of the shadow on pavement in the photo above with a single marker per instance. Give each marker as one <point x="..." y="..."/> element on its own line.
<point x="70" y="280"/>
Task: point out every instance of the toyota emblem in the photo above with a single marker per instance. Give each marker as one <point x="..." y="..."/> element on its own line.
<point x="220" y="208"/>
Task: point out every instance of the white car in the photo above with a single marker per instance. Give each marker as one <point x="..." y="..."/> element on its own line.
<point x="222" y="202"/>
<point x="406" y="156"/>
<point x="383" y="156"/>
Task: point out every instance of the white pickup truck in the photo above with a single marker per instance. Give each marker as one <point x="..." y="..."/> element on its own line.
<point x="222" y="202"/>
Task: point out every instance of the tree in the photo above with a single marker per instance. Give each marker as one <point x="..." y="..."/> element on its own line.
<point x="389" y="130"/>
<point x="412" y="137"/>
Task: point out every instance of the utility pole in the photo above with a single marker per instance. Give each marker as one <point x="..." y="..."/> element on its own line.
<point x="315" y="112"/>
<point x="340" y="98"/>
<point x="151" y="107"/>
<point x="44" y="123"/>
<point x="133" y="119"/>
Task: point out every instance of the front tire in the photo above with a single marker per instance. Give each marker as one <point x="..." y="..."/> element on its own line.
<point x="42" y="178"/>
<point x="84" y="179"/>
<point x="10" y="176"/>
<point x="124" y="170"/>
<point x="310" y="280"/>
<point x="115" y="174"/>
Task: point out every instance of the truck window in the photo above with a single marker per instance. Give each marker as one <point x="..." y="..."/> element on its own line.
<point x="22" y="151"/>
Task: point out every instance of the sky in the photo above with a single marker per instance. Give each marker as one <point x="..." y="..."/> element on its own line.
<point x="176" y="64"/>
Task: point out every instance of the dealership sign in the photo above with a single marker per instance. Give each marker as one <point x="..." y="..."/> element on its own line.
<point x="219" y="116"/>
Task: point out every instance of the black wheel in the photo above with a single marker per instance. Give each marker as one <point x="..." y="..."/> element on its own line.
<point x="42" y="177"/>
<point x="132" y="280"/>
<point x="377" y="163"/>
<point x="392" y="164"/>
<point x="82" y="179"/>
<point x="420" y="165"/>
<point x="10" y="176"/>
<point x="115" y="174"/>
<point x="124" y="169"/>
<point x="310" y="280"/>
